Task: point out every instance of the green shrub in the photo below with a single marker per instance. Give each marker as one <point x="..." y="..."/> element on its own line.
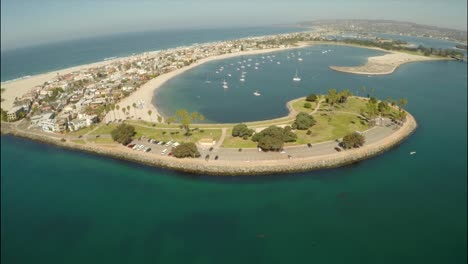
<point x="241" y="130"/>
<point x="304" y="121"/>
<point x="123" y="133"/>
<point x="311" y="98"/>
<point x="353" y="140"/>
<point x="186" y="150"/>
<point x="307" y="105"/>
<point x="273" y="138"/>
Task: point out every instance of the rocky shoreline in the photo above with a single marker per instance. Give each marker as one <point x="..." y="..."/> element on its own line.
<point x="233" y="168"/>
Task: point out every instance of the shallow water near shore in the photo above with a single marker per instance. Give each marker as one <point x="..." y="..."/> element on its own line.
<point x="62" y="206"/>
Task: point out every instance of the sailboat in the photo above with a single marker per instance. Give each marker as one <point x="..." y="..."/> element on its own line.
<point x="296" y="78"/>
<point x="257" y="93"/>
<point x="207" y="80"/>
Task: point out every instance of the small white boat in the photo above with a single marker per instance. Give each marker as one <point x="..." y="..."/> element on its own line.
<point x="224" y="82"/>
<point x="412" y="152"/>
<point x="243" y="67"/>
<point x="296" y="78"/>
<point x="242" y="79"/>
<point x="278" y="62"/>
<point x="229" y="75"/>
<point x="207" y="80"/>
<point x="299" y="59"/>
<point x="238" y="69"/>
<point x="257" y="93"/>
<point x="256" y="67"/>
<point x="248" y="65"/>
<point x="217" y="71"/>
<point x="225" y="86"/>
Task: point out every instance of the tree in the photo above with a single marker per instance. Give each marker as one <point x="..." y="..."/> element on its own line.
<point x="123" y="110"/>
<point x="273" y="138"/>
<point x="307" y="105"/>
<point x="353" y="140"/>
<point x="160" y="119"/>
<point x="134" y="108"/>
<point x="117" y="107"/>
<point x="186" y="150"/>
<point x="185" y="118"/>
<point x="128" y="109"/>
<point x="383" y="107"/>
<point x="402" y="103"/>
<point x="343" y="96"/>
<point x="149" y="113"/>
<point x="123" y="133"/>
<point x="331" y="97"/>
<point x="4" y="115"/>
<point x="303" y="121"/>
<point x="241" y="130"/>
<point x="371" y="108"/>
<point x="311" y="98"/>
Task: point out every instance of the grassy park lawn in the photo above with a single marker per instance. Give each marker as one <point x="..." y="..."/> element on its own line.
<point x="237" y="142"/>
<point x="102" y="140"/>
<point x="82" y="131"/>
<point x="104" y="129"/>
<point x="165" y="134"/>
<point x="353" y="105"/>
<point x="299" y="106"/>
<point x="330" y="127"/>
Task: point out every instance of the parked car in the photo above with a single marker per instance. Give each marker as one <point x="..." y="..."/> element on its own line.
<point x="216" y="158"/>
<point x="338" y="149"/>
<point x="130" y="145"/>
<point x="164" y="152"/>
<point x="147" y="149"/>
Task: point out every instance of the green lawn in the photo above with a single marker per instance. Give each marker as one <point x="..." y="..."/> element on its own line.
<point x="329" y="127"/>
<point x="299" y="106"/>
<point x="104" y="129"/>
<point x="353" y="105"/>
<point x="237" y="142"/>
<point x="82" y="131"/>
<point x="165" y="134"/>
<point x="102" y="140"/>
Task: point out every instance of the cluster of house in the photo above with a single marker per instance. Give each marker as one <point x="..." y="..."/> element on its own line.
<point x="78" y="99"/>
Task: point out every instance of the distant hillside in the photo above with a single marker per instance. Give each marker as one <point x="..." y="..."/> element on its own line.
<point x="388" y="26"/>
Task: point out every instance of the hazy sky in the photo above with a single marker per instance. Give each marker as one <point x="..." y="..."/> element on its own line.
<point x="29" y="22"/>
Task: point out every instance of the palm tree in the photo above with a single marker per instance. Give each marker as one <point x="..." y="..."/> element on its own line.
<point x="117" y="107"/>
<point x="123" y="110"/>
<point x="149" y="113"/>
<point x="134" y="108"/>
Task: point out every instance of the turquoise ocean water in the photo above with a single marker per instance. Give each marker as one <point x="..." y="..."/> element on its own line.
<point x="61" y="206"/>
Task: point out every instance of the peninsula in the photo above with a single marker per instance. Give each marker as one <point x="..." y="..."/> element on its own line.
<point x="385" y="64"/>
<point x="321" y="131"/>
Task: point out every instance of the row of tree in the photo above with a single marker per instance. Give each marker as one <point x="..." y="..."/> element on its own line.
<point x="397" y="45"/>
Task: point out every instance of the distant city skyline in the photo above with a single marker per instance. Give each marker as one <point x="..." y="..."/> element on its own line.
<point x="29" y="22"/>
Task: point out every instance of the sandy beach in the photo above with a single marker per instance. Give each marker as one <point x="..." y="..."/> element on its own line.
<point x="384" y="64"/>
